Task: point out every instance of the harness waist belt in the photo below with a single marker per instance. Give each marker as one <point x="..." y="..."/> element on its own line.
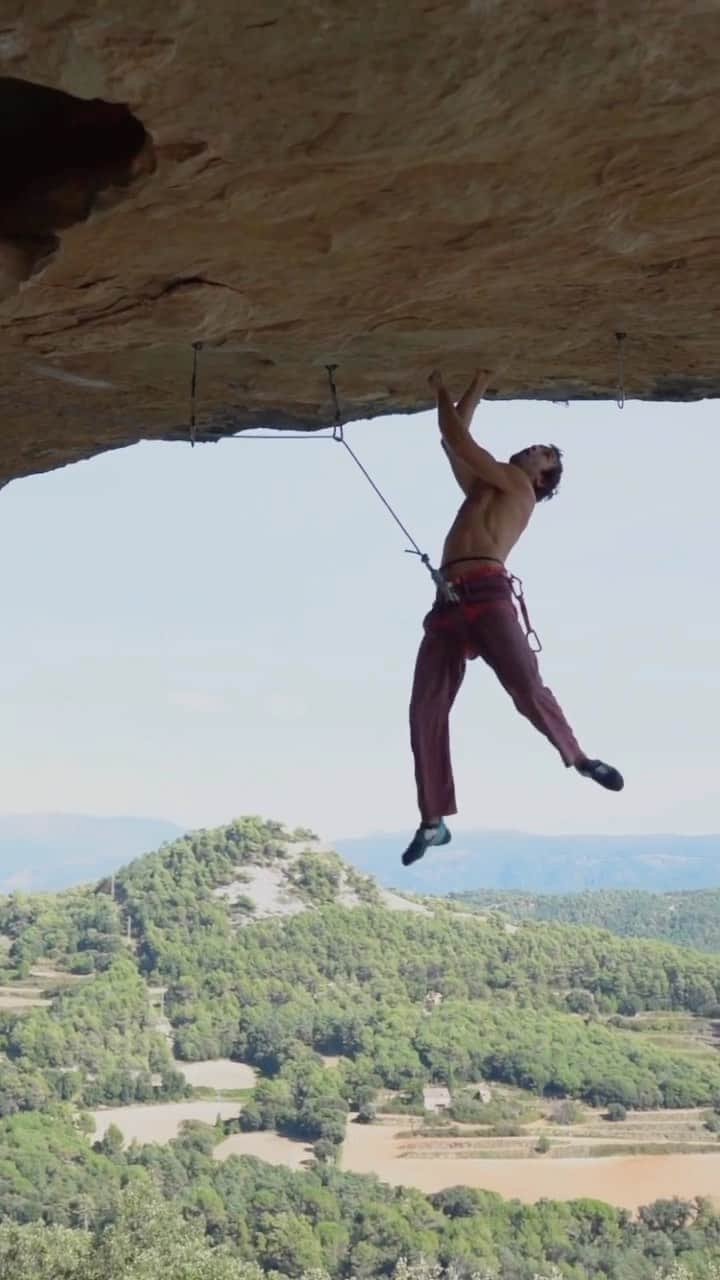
<point x="484" y="588"/>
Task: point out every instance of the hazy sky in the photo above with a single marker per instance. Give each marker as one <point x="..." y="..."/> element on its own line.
<point x="196" y="634"/>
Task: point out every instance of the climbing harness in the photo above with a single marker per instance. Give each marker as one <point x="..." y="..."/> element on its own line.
<point x="620" y="400"/>
<point x="469" y="601"/>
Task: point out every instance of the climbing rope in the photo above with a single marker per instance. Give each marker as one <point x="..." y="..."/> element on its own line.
<point x="620" y="339"/>
<point x="197" y="346"/>
<point x="444" y="587"/>
<point x="213" y="437"/>
<point x="337" y="434"/>
<point x="337" y="427"/>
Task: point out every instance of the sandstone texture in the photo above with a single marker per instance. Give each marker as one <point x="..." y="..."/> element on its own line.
<point x="384" y="185"/>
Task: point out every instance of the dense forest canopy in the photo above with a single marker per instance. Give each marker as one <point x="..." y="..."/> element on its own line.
<point x="140" y="1214"/>
<point x="544" y="1006"/>
<point x="403" y="998"/>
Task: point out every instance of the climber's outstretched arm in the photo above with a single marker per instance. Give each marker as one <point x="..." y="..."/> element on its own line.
<point x="465" y="408"/>
<point x="461" y="471"/>
<point x="480" y="463"/>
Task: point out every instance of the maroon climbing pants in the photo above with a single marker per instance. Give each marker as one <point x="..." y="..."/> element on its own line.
<point x="483" y="624"/>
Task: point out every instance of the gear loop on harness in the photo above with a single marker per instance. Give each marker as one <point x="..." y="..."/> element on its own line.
<point x="533" y="638"/>
<point x="532" y="635"/>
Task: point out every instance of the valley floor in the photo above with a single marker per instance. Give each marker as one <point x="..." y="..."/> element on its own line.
<point x="403" y="1151"/>
<point x="624" y="1181"/>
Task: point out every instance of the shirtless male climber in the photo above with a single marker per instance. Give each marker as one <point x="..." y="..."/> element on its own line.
<point x="474" y="613"/>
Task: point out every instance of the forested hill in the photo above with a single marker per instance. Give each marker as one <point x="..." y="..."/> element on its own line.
<point x="252" y="942"/>
<point x="689" y="919"/>
<point x="269" y="947"/>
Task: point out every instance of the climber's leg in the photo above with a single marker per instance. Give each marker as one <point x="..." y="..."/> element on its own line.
<point x="439" y="672"/>
<point x="502" y="643"/>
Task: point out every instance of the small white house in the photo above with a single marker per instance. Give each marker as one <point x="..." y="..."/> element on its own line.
<point x="436" y="1098"/>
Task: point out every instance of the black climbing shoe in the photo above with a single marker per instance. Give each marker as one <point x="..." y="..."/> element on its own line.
<point x="604" y="774"/>
<point x="425" y="838"/>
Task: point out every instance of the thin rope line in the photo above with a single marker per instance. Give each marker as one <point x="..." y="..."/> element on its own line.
<point x="197" y="346"/>
<point x="339" y="435"/>
<point x="620" y="399"/>
<point x="212" y="437"/>
<point x="446" y="589"/>
<point x="279" y="435"/>
<point x="337" y="430"/>
<point x="416" y="549"/>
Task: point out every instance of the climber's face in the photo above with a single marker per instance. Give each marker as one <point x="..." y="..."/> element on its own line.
<point x="542" y="464"/>
<point x="535" y="459"/>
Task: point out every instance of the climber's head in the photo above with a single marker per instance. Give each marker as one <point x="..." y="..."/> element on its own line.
<point x="542" y="464"/>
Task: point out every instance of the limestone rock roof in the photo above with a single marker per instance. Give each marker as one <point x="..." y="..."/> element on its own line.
<point x="385" y="186"/>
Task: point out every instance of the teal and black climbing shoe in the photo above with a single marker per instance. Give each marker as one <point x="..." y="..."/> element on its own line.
<point x="426" y="837"/>
<point x="602" y="773"/>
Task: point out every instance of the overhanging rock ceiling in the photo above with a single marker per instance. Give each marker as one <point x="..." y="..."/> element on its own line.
<point x="384" y="186"/>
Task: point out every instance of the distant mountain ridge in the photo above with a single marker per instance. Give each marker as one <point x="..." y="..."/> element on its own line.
<point x="56" y="850"/>
<point x="541" y="863"/>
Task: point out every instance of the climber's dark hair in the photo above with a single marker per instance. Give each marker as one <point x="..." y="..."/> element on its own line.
<point x="547" y="486"/>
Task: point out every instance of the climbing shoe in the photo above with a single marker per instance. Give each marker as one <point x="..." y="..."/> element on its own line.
<point x="602" y="773"/>
<point x="426" y="837"/>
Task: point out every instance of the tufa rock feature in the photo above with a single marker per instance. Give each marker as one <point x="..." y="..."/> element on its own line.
<point x="387" y="187"/>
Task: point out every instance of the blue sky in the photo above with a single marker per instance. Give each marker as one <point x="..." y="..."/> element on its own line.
<point x="199" y="633"/>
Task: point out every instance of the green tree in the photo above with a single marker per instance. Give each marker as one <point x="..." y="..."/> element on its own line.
<point x="616" y="1111"/>
<point x="287" y="1245"/>
<point x="111" y="1143"/>
<point x="40" y="1252"/>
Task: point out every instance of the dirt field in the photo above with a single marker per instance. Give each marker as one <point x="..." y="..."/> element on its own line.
<point x="159" y="1123"/>
<point x="266" y="1146"/>
<point x="395" y="1153"/>
<point x="57" y="977"/>
<point x="22" y="998"/>
<point x="589" y="1134"/>
<point x="390" y="1151"/>
<point x="218" y="1073"/>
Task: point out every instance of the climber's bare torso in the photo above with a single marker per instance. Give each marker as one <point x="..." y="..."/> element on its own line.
<point x="489" y="522"/>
